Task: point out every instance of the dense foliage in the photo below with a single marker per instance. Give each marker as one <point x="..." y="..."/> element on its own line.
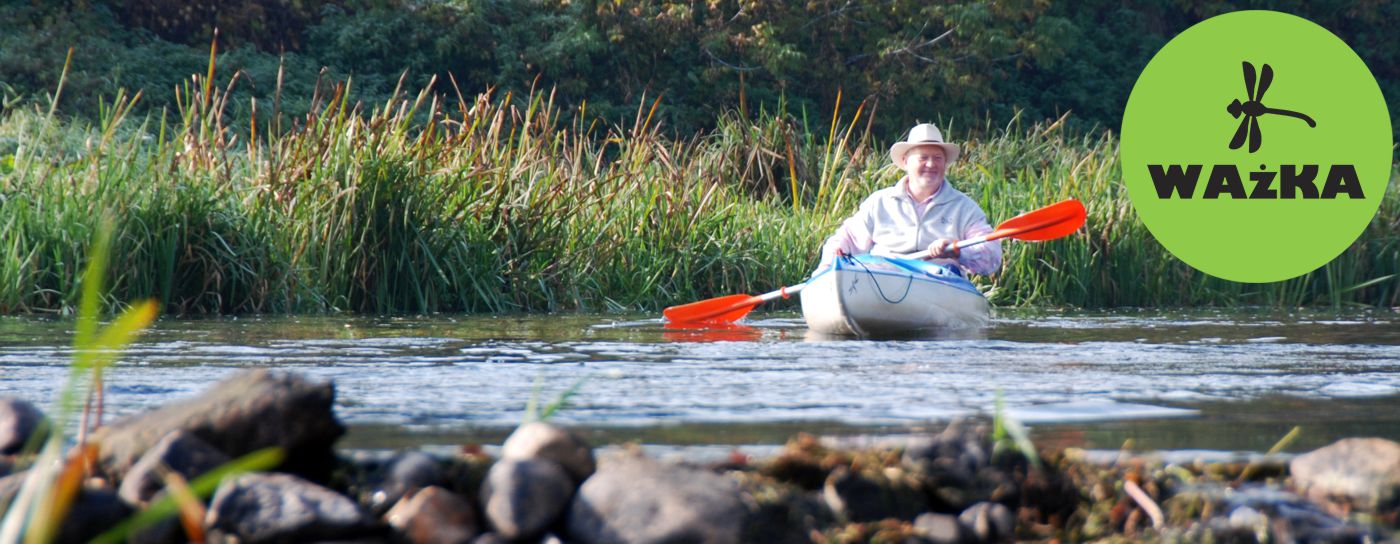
<point x="918" y="60"/>
<point x="500" y="205"/>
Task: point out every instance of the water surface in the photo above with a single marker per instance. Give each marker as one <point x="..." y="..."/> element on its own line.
<point x="1213" y="380"/>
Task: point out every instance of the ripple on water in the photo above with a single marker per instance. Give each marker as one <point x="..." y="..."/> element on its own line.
<point x="468" y="372"/>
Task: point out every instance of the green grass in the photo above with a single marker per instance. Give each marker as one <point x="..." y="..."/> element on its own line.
<point x="506" y="203"/>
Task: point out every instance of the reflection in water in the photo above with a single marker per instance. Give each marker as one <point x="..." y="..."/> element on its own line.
<point x="472" y="376"/>
<point x="966" y="333"/>
<point x="711" y="332"/>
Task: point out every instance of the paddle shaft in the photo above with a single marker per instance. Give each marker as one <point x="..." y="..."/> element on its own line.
<point x="994" y="235"/>
<point x="959" y="246"/>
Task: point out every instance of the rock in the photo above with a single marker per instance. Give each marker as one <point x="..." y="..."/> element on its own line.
<point x="249" y="411"/>
<point x="961" y="449"/>
<point x="165" y="531"/>
<point x="870" y="497"/>
<point x="434" y="515"/>
<point x="1361" y="473"/>
<point x="18" y="421"/>
<point x="489" y="538"/>
<point x="989" y="522"/>
<point x="403" y="476"/>
<point x="955" y="466"/>
<point x="637" y="500"/>
<point x="180" y="452"/>
<point x="93" y="513"/>
<point x="522" y="497"/>
<point x="941" y="529"/>
<point x="282" y="508"/>
<point x="1252" y="513"/>
<point x="544" y="441"/>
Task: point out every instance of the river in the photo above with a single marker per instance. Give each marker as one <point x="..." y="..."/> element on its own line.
<point x="1212" y="380"/>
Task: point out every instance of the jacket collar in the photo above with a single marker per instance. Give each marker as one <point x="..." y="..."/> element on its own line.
<point x="945" y="192"/>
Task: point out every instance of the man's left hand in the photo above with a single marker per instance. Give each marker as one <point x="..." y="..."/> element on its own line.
<point x="943" y="248"/>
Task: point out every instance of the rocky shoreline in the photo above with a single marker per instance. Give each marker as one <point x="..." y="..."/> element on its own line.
<point x="961" y="485"/>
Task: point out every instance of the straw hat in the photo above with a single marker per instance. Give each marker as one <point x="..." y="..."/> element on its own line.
<point x="922" y="134"/>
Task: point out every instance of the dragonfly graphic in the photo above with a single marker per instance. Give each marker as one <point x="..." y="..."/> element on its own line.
<point x="1254" y="107"/>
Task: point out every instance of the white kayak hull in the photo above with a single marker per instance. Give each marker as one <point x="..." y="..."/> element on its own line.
<point x="869" y="296"/>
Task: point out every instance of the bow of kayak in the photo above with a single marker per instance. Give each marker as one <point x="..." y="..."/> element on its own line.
<point x="869" y="295"/>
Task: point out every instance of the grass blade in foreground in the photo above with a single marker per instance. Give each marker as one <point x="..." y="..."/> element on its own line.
<point x="48" y="490"/>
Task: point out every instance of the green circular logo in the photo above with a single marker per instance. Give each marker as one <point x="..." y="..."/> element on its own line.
<point x="1256" y="146"/>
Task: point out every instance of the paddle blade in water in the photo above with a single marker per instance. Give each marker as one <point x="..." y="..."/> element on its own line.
<point x="1054" y="221"/>
<point x="725" y="309"/>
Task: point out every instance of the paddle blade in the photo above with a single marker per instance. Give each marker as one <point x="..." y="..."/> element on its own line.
<point x="725" y="309"/>
<point x="1054" y="221"/>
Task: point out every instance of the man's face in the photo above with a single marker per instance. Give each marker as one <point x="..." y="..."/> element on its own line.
<point x="926" y="164"/>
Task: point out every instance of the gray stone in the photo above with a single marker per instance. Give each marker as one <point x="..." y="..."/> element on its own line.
<point x="434" y="515"/>
<point x="544" y="441"/>
<point x="961" y="450"/>
<point x="165" y="531"/>
<point x="277" y="508"/>
<point x="522" y="497"/>
<point x="249" y="411"/>
<point x="180" y="452"/>
<point x="860" y="497"/>
<point x="637" y="500"/>
<point x="93" y="513"/>
<point x="989" y="522"/>
<point x="18" y="421"/>
<point x="1359" y="473"/>
<point x="941" y="529"/>
<point x="489" y="538"/>
<point x="404" y="475"/>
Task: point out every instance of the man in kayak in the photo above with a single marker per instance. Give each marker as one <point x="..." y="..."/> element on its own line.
<point x="922" y="212"/>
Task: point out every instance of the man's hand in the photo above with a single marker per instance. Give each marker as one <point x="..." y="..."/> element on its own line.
<point x="943" y="248"/>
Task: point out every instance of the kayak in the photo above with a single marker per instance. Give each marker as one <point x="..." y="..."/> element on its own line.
<point x="870" y="295"/>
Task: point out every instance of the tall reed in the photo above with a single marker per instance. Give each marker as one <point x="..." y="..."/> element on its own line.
<point x="505" y="203"/>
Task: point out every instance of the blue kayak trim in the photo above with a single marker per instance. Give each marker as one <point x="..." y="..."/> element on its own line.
<point x="905" y="268"/>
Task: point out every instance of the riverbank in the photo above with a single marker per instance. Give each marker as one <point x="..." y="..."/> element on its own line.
<point x="968" y="482"/>
<point x="497" y="204"/>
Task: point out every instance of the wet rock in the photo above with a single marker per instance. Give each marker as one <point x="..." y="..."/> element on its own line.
<point x="1253" y="513"/>
<point x="522" y="497"/>
<point x="249" y="411"/>
<point x="637" y="500"/>
<point x="956" y="467"/>
<point x="404" y="475"/>
<point x="282" y="508"/>
<point x="18" y="420"/>
<point x="544" y="441"/>
<point x="1362" y="473"/>
<point x="489" y="538"/>
<point x="871" y="496"/>
<point x="989" y="522"/>
<point x="779" y="512"/>
<point x="166" y="531"/>
<point x="941" y="529"/>
<point x="181" y="453"/>
<point x="493" y="538"/>
<point x="434" y="515"/>
<point x="961" y="449"/>
<point x="93" y="513"/>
